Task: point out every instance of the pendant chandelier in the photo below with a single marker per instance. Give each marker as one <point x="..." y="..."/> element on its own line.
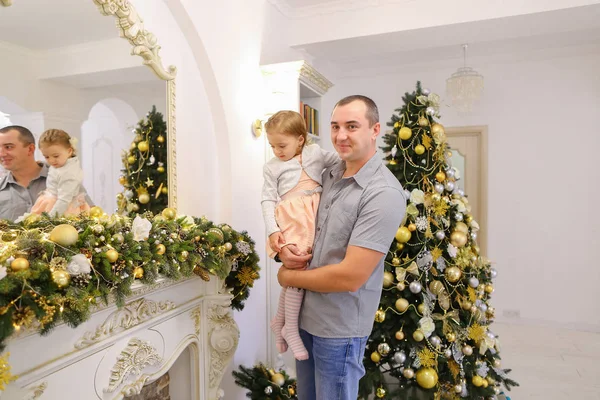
<point x="464" y="87"/>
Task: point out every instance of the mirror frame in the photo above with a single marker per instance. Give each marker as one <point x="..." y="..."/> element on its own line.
<point x="145" y="45"/>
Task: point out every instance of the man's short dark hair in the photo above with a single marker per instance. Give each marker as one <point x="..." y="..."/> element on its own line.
<point x="372" y="111"/>
<point x="25" y="135"/>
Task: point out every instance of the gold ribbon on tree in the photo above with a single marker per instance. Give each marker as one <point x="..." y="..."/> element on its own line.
<point x="411" y="269"/>
<point x="447" y="319"/>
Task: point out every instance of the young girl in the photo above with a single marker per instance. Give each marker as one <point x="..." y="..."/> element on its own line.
<point x="290" y="199"/>
<point x="64" y="194"/>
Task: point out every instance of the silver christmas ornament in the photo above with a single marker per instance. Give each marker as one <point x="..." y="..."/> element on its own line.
<point x="493" y="272"/>
<point x="426" y="91"/>
<point x="268" y="390"/>
<point x="458" y="216"/>
<point x="450" y="173"/>
<point x="461" y="192"/>
<point x="473" y="235"/>
<point x="467" y="350"/>
<point x="430" y="111"/>
<point x="440" y="235"/>
<point x="449" y="186"/>
<point x="448" y="353"/>
<point x="399" y="357"/>
<point x="435" y="341"/>
<point x="415" y="287"/>
<point x="483" y="307"/>
<point x="439" y="187"/>
<point x="394" y="151"/>
<point x="473" y="282"/>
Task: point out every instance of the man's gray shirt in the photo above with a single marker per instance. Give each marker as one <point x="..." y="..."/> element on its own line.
<point x="16" y="200"/>
<point x="364" y="210"/>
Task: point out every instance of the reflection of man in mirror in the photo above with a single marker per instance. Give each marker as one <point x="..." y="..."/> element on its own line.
<point x="26" y="177"/>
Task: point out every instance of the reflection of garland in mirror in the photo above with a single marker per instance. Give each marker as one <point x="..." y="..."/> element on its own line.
<point x="53" y="270"/>
<point x="145" y="168"/>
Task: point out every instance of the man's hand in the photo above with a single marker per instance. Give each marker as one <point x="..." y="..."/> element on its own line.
<point x="276" y="239"/>
<point x="292" y="257"/>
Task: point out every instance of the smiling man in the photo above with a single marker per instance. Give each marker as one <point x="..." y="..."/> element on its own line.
<point x="25" y="179"/>
<point x="361" y="207"/>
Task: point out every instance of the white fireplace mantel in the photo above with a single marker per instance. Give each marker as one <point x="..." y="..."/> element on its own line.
<point x="118" y="351"/>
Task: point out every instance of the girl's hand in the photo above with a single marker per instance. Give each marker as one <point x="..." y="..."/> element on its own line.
<point x="276" y="240"/>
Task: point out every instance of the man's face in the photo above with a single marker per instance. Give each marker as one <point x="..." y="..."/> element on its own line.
<point x="14" y="154"/>
<point x="351" y="135"/>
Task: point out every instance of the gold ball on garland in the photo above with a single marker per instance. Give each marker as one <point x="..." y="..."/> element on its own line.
<point x="278" y="379"/>
<point x="137" y="138"/>
<point x="418" y="335"/>
<point x="96" y="212"/>
<point x="458" y="389"/>
<point x="380" y="393"/>
<point x="419" y="149"/>
<point x="403" y="234"/>
<point x="437" y="129"/>
<point x="451" y="337"/>
<point x="144" y="198"/>
<point x="388" y="279"/>
<point x="466" y="305"/>
<point x="161" y="169"/>
<point x="61" y="278"/>
<point x="405" y="133"/>
<point x="383" y="349"/>
<point x="427" y="378"/>
<point x="138" y="272"/>
<point x="228" y="246"/>
<point x="461" y="227"/>
<point x="436" y="197"/>
<point x="401" y="304"/>
<point x="379" y="316"/>
<point x="164" y="190"/>
<point x="423" y="121"/>
<point x="458" y="239"/>
<point x="119" y="238"/>
<point x="169" y="213"/>
<point x="440" y="176"/>
<point x="122" y="180"/>
<point x="183" y="255"/>
<point x="131" y="159"/>
<point x="436" y="287"/>
<point x="395" y="261"/>
<point x="160" y="139"/>
<point x="467" y="350"/>
<point x="112" y="255"/>
<point x="477" y="380"/>
<point x="399" y="335"/>
<point x="412" y="227"/>
<point x="133" y="146"/>
<point x="375" y="357"/>
<point x="408" y="373"/>
<point x="421" y="308"/>
<point x="143" y="146"/>
<point x="400" y="246"/>
<point x="64" y="235"/>
<point x="291" y="391"/>
<point x="453" y="274"/>
<point x="19" y="264"/>
<point x="468" y="218"/>
<point x="484" y="383"/>
<point x="400" y="286"/>
<point x="160" y="249"/>
<point x="489" y="289"/>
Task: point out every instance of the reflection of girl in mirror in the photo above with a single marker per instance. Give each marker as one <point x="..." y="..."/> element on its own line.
<point x="290" y="199"/>
<point x="64" y="194"/>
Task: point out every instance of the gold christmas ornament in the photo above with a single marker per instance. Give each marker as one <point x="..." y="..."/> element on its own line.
<point x="400" y="286"/>
<point x="64" y="235"/>
<point x="423" y="121"/>
<point x="96" y="212"/>
<point x="405" y="133"/>
<point x="278" y="379"/>
<point x="143" y="146"/>
<point x="135" y="207"/>
<point x="375" y="357"/>
<point x="131" y="159"/>
<point x="19" y="264"/>
<point x="453" y="274"/>
<point x="144" y="198"/>
<point x="161" y="169"/>
<point x="461" y="227"/>
<point x="183" y="255"/>
<point x="451" y="337"/>
<point x="160" y="249"/>
<point x="400" y="246"/>
<point x="419" y="149"/>
<point x="412" y="227"/>
<point x="440" y="176"/>
<point x="132" y="146"/>
<point x="427" y="378"/>
<point x="403" y="234"/>
<point x="466" y="305"/>
<point x="138" y="272"/>
<point x="160" y="139"/>
<point x="380" y="393"/>
<point x="458" y="239"/>
<point x="169" y="213"/>
<point x="468" y="218"/>
<point x="164" y="190"/>
<point x="137" y="138"/>
<point x="399" y="335"/>
<point x="421" y="308"/>
<point x="408" y="373"/>
<point x="61" y="278"/>
<point x="291" y="391"/>
<point x="122" y="180"/>
<point x="379" y="316"/>
<point x="388" y="279"/>
<point x="477" y="381"/>
<point x="395" y="261"/>
<point x="437" y="129"/>
<point x="401" y="305"/>
<point x="436" y="287"/>
<point x="489" y="289"/>
<point x="467" y="350"/>
<point x="418" y="335"/>
<point x="228" y="246"/>
<point x="112" y="255"/>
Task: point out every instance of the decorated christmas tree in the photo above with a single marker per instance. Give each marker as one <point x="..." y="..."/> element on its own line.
<point x="264" y="383"/>
<point x="432" y="338"/>
<point x="145" y="168"/>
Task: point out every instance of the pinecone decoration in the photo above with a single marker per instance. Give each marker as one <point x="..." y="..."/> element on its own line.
<point x="81" y="280"/>
<point x="202" y="273"/>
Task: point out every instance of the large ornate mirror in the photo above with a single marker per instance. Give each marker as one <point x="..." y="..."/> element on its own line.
<point x="64" y="66"/>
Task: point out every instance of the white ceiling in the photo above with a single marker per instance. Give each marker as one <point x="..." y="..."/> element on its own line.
<point x="48" y="24"/>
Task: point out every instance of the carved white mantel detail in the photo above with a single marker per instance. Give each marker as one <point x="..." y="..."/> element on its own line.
<point x="223" y="334"/>
<point x="133" y="359"/>
<point x="130" y="315"/>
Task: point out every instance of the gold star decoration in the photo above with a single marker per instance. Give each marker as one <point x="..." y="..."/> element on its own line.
<point x="440" y="208"/>
<point x="477" y="332"/>
<point x="426" y="141"/>
<point x="247" y="276"/>
<point x="149" y="182"/>
<point x="427" y="358"/>
<point x="472" y="295"/>
<point x="436" y="253"/>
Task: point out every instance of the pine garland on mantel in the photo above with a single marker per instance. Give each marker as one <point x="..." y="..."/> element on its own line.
<point x="54" y="270"/>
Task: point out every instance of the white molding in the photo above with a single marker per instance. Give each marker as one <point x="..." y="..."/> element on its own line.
<point x="132" y="361"/>
<point x="329" y="7"/>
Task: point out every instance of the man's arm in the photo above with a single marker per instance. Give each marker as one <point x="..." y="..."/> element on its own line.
<point x="347" y="276"/>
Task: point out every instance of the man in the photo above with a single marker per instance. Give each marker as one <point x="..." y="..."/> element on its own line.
<point x="361" y="207"/>
<point x="25" y="179"/>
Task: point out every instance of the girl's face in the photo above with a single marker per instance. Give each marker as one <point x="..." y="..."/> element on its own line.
<point x="56" y="154"/>
<point x="284" y="146"/>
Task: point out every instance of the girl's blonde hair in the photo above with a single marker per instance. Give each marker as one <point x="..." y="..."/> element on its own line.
<point x="289" y="123"/>
<point x="56" y="136"/>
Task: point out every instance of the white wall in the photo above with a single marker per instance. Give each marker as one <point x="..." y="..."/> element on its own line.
<point x="541" y="112"/>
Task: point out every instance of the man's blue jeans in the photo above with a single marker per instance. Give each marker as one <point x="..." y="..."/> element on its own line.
<point x="333" y="368"/>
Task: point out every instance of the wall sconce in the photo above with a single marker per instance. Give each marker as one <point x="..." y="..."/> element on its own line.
<point x="257" y="127"/>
